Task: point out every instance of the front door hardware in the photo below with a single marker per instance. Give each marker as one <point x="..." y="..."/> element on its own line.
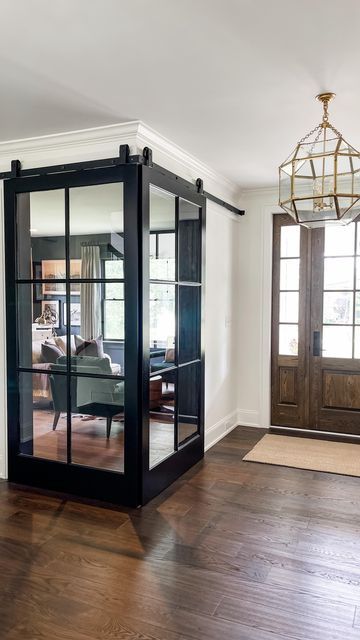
<point x="316" y="343"/>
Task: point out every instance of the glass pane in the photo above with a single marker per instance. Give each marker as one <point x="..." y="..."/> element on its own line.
<point x="96" y="325"/>
<point x="338" y="308"/>
<point x="337" y="342"/>
<point x="285" y="182"/>
<point x="188" y="401"/>
<point x="189" y="242"/>
<point x="290" y="242"/>
<point x="288" y="339"/>
<point x="338" y="273"/>
<point x="357" y="307"/>
<point x="97" y="422"/>
<point x="289" y="307"/>
<point x="43" y="416"/>
<point x="162" y="235"/>
<point x="38" y="317"/>
<point x="92" y="357"/>
<point x="42" y="328"/>
<point x="114" y="320"/>
<point x="357" y="238"/>
<point x="96" y="230"/>
<point x="162" y="316"/>
<point x="162" y="389"/>
<point x="114" y="269"/>
<point x="357" y="343"/>
<point x="340" y="241"/>
<point x="289" y="274"/>
<point x="358" y="272"/>
<point x="40" y="223"/>
<point x="189" y="323"/>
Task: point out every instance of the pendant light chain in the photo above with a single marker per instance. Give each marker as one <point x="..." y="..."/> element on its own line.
<point x="325" y="123"/>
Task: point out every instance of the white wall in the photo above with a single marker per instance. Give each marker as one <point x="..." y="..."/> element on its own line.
<point x="221" y="323"/>
<point x="222" y="248"/>
<point x="254" y="297"/>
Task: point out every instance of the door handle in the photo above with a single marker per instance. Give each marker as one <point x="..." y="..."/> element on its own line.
<point x="316" y="343"/>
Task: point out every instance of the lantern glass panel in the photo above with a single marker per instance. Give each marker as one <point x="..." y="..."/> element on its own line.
<point x="349" y="209"/>
<point x="303" y="187"/>
<point x="310" y="213"/>
<point x="289" y="208"/>
<point x="321" y="147"/>
<point x="350" y="183"/>
<point x="345" y="173"/>
<point x="323" y="166"/>
<point x="345" y="147"/>
<point x="285" y="184"/>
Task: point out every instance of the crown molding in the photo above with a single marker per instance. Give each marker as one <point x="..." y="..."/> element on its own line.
<point x="176" y="159"/>
<point x="98" y="142"/>
<point x="258" y="191"/>
<point x="103" y="142"/>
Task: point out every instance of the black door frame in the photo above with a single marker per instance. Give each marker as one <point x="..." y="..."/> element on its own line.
<point x="137" y="484"/>
<point x="71" y="478"/>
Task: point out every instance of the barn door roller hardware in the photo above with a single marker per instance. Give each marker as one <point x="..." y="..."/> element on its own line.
<point x="124" y="157"/>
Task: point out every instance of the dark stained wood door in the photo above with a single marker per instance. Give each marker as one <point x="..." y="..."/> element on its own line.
<point x="316" y="327"/>
<point x="335" y="329"/>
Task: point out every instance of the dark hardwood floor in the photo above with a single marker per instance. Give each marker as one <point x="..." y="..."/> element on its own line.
<point x="89" y="444"/>
<point x="233" y="551"/>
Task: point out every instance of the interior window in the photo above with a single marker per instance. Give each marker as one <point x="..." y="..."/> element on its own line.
<point x="114" y="307"/>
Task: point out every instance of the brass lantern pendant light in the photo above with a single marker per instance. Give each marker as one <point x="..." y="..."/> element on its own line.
<point x="320" y="181"/>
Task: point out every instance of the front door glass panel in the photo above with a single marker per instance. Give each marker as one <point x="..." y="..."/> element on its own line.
<point x="340" y="292"/>
<point x="289" y="290"/>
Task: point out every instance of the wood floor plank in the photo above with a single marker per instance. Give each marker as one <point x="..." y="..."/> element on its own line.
<point x="231" y="550"/>
<point x="303" y="624"/>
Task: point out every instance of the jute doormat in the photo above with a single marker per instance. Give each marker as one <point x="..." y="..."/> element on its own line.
<point x="307" y="453"/>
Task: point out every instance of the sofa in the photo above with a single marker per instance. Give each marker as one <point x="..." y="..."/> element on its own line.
<point x="41" y="383"/>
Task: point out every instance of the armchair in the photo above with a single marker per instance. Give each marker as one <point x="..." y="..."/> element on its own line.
<point x="91" y="395"/>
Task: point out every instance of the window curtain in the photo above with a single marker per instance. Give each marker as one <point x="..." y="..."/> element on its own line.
<point x="90" y="293"/>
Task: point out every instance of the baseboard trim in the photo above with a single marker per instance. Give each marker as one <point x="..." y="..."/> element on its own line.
<point x="249" y="418"/>
<point x="3" y="475"/>
<point x="220" y="429"/>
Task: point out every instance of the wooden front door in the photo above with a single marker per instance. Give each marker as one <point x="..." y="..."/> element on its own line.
<point x="316" y="327"/>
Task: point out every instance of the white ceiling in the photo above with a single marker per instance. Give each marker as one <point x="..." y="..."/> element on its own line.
<point x="231" y="81"/>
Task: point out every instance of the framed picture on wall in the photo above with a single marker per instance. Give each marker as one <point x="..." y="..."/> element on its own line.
<point x="75" y="314"/>
<point x="55" y="270"/>
<point x="52" y="310"/>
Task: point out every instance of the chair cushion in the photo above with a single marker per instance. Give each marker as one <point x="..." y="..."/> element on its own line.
<point x="89" y="347"/>
<point x="61" y="342"/>
<point x="50" y="352"/>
